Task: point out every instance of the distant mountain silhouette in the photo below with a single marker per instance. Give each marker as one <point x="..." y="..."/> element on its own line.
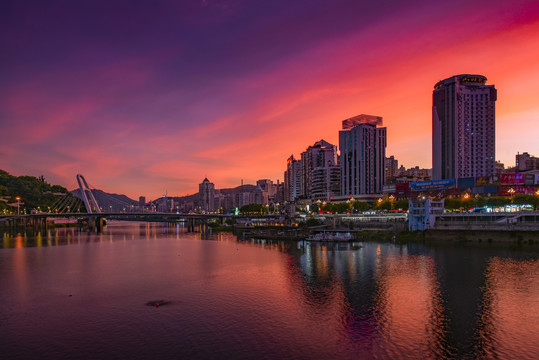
<point x="234" y="191"/>
<point x="108" y="201"/>
<point x="117" y="202"/>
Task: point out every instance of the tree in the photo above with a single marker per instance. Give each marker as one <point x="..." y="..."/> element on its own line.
<point x="452" y="204"/>
<point x="468" y="203"/>
<point x="253" y="209"/>
<point x="480" y="201"/>
<point x="383" y="205"/>
<point x="360" y="206"/>
<point x="401" y="204"/>
<point x="341" y="208"/>
<point x="498" y="201"/>
<point x="328" y="207"/>
<point x="523" y="199"/>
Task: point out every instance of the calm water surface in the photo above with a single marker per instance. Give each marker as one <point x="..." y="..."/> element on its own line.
<point x="73" y="295"/>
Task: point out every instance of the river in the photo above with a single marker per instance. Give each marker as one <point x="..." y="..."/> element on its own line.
<point x="155" y="291"/>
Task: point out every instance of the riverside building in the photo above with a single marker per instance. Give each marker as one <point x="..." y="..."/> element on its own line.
<point x="362" y="143"/>
<point x="463" y="127"/>
<point x="206" y="192"/>
<point x="292" y="179"/>
<point x="321" y="154"/>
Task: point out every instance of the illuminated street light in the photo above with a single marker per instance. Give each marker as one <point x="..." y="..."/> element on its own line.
<point x="18" y="198"/>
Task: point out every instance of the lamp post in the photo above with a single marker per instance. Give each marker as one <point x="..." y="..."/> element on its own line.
<point x="18" y="198"/>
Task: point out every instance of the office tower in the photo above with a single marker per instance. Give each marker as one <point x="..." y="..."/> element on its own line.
<point x="321" y="154"/>
<point x="292" y="179"/>
<point x="206" y="193"/>
<point x="463" y="130"/>
<point x="362" y="143"/>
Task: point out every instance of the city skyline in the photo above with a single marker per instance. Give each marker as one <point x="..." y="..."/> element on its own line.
<point x="148" y="100"/>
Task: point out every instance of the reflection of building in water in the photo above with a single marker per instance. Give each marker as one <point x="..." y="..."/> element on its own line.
<point x="409" y="310"/>
<point x="422" y="213"/>
<point x="390" y="303"/>
<point x="461" y="273"/>
<point x="510" y="313"/>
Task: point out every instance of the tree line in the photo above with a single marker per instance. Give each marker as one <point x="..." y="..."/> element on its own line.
<point x="34" y="192"/>
<point x="402" y="204"/>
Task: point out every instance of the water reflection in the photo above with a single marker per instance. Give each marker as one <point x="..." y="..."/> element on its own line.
<point x="409" y="309"/>
<point x="510" y="313"/>
<point x="264" y="299"/>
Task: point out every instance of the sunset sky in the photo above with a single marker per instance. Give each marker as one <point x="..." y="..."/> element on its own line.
<point x="148" y="97"/>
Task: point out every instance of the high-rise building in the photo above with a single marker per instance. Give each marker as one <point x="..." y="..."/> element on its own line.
<point x="391" y="167"/>
<point x="362" y="143"/>
<point x="321" y="154"/>
<point x="206" y="193"/>
<point x="463" y="127"/>
<point x="292" y="179"/>
<point x="326" y="182"/>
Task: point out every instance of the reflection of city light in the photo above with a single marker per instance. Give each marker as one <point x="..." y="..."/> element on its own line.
<point x="509" y="288"/>
<point x="409" y="294"/>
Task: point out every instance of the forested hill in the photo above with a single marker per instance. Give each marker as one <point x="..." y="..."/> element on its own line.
<point x="33" y="192"/>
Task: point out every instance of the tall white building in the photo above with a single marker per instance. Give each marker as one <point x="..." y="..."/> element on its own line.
<point x="463" y="127"/>
<point x="362" y="143"/>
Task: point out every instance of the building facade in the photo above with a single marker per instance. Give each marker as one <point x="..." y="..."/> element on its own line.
<point x="362" y="143"/>
<point x="463" y="127"/>
<point x="321" y="154"/>
<point x="326" y="182"/>
<point x="391" y="167"/>
<point x="292" y="179"/>
<point x="206" y="193"/>
<point x="526" y="162"/>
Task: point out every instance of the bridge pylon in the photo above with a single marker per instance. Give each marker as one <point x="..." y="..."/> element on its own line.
<point x="87" y="196"/>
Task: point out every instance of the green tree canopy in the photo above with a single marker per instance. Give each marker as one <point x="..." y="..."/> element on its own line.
<point x="360" y="206"/>
<point x="401" y="204"/>
<point x="253" y="209"/>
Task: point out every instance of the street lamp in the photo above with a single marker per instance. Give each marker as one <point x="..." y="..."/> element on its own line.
<point x="18" y="198"/>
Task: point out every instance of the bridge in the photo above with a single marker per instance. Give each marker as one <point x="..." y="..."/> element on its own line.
<point x="95" y="216"/>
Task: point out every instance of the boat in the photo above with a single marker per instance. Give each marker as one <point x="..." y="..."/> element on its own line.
<point x="327" y="236"/>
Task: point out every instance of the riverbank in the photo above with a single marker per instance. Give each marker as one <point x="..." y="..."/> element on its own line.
<point x="428" y="236"/>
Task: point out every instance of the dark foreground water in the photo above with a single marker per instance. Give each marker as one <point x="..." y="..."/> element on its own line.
<point x="72" y="295"/>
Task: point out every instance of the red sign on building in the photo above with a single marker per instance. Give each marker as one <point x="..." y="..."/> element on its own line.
<point x="512" y="190"/>
<point x="402" y="188"/>
<point x="512" y="179"/>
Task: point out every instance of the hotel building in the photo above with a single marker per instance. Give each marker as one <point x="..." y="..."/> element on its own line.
<point x="463" y="127"/>
<point x="362" y="143"/>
